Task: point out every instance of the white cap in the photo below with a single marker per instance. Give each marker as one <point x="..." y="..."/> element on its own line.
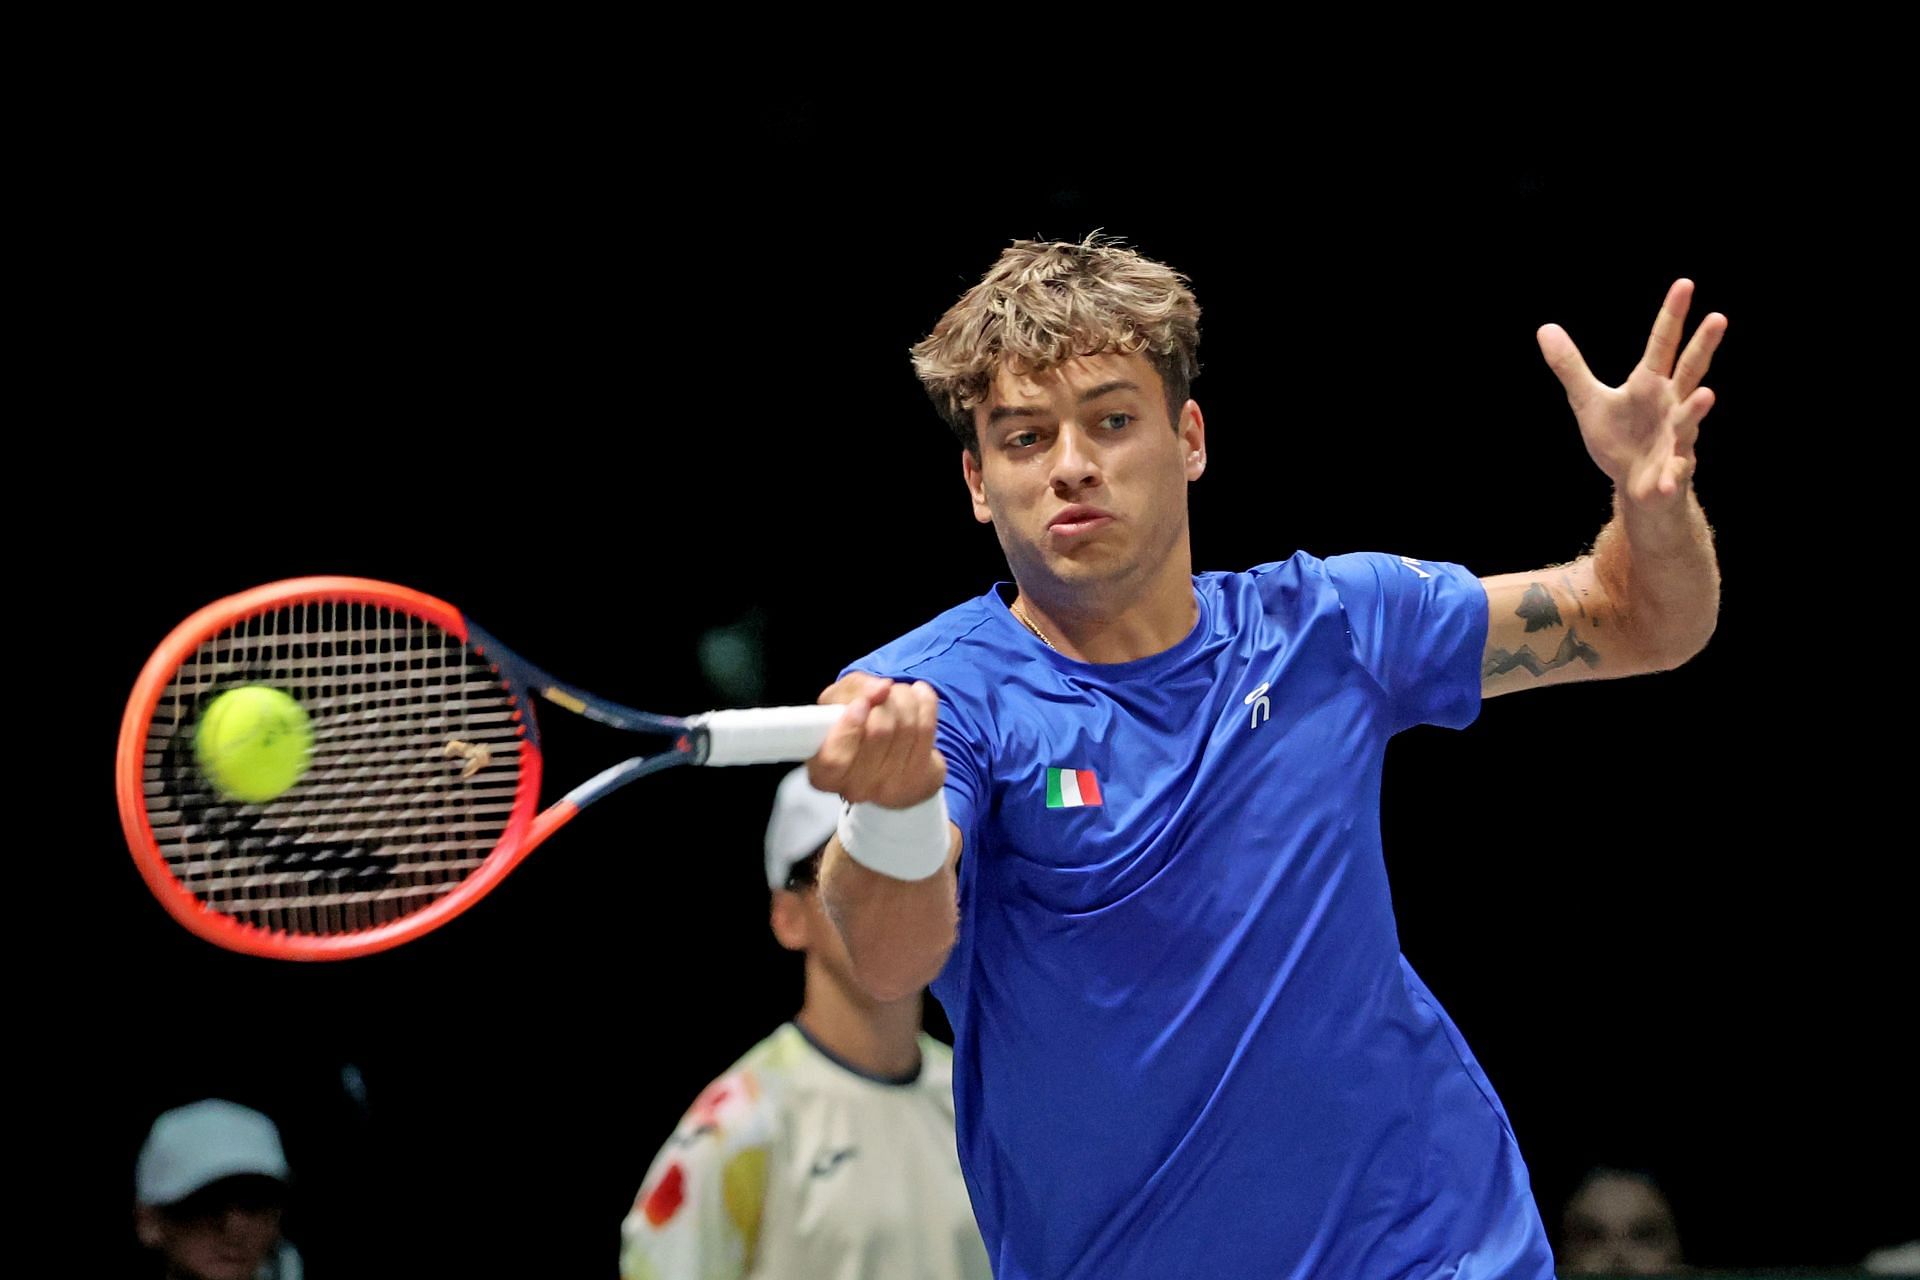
<point x="803" y="821"/>
<point x="196" y="1145"/>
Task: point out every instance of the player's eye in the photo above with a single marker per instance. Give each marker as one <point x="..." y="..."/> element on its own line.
<point x="1116" y="421"/>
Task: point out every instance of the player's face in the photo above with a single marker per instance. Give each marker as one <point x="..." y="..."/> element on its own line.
<point x="1081" y="471"/>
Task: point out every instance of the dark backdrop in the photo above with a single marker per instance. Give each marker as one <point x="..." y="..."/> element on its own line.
<point x="611" y="385"/>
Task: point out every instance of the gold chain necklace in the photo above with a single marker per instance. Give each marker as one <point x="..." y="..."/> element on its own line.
<point x="1021" y="614"/>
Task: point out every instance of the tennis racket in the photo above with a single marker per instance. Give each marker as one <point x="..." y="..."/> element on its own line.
<point x="422" y="788"/>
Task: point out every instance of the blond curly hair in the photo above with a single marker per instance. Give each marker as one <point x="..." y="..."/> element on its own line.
<point x="1045" y="302"/>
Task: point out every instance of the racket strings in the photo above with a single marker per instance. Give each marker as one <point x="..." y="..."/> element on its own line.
<point x="411" y="781"/>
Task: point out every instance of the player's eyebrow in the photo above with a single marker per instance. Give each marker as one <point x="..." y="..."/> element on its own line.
<point x="1002" y="412"/>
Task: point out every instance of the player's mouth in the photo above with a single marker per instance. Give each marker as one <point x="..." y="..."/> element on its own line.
<point x="1077" y="521"/>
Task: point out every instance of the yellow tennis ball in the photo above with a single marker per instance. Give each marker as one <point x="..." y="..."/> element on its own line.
<point x="253" y="743"/>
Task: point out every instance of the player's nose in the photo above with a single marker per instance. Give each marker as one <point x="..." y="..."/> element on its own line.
<point x="1076" y="463"/>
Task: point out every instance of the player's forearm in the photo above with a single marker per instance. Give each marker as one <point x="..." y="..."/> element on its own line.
<point x="1659" y="571"/>
<point x="898" y="932"/>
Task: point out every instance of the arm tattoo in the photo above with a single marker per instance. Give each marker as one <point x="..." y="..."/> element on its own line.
<point x="1498" y="661"/>
<point x="1538" y="608"/>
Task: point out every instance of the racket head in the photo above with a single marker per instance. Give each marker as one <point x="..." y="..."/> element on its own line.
<point x="419" y="792"/>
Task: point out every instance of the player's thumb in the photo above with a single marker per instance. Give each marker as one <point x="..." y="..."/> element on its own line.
<point x="1564" y="359"/>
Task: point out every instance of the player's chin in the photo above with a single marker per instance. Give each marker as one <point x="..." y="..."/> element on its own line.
<point x="1082" y="564"/>
<point x="1091" y="561"/>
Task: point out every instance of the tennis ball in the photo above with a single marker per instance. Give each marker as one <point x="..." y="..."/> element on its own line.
<point x="252" y="743"/>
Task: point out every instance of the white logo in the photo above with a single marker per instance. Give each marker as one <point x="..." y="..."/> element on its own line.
<point x="1262" y="707"/>
<point x="1414" y="565"/>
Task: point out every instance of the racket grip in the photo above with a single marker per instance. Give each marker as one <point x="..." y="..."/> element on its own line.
<point x="765" y="735"/>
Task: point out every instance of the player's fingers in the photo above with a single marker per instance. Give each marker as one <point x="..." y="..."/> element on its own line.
<point x="850" y="686"/>
<point x="893" y="767"/>
<point x="924" y="749"/>
<point x="1667" y="328"/>
<point x="846" y="740"/>
<point x="912" y="769"/>
<point x="1686" y="426"/>
<point x="1698" y="357"/>
<point x="1675" y="474"/>
<point x="926" y="704"/>
<point x="866" y="770"/>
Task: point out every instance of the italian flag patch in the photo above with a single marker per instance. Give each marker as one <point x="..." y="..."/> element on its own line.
<point x="1072" y="788"/>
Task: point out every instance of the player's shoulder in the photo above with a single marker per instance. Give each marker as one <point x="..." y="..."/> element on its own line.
<point x="1277" y="587"/>
<point x="1303" y="568"/>
<point x="1385" y="573"/>
<point x="958" y="653"/>
<point x="1293" y="592"/>
<point x="942" y="644"/>
<point x="1348" y="571"/>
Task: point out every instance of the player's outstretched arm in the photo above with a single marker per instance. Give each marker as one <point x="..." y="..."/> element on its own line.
<point x="1647" y="596"/>
<point x="892" y="894"/>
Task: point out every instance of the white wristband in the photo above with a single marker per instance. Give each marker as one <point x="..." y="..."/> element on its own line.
<point x="907" y="844"/>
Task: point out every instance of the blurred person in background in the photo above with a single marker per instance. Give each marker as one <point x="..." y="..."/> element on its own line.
<point x="828" y="1150"/>
<point x="210" y="1185"/>
<point x="1619" y="1222"/>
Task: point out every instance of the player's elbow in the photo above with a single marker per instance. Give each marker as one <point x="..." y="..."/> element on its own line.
<point x="898" y="966"/>
<point x="1694" y="643"/>
<point x="1679" y="642"/>
<point x="1664" y="634"/>
<point x="888" y="985"/>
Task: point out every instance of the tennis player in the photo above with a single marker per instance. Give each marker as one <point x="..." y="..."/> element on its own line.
<point x="827" y="1150"/>
<point x="1126" y="817"/>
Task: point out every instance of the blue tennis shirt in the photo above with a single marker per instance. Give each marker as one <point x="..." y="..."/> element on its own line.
<point x="1186" y="1042"/>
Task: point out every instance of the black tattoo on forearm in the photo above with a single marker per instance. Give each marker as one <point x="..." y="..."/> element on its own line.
<point x="1538" y="608"/>
<point x="1498" y="661"/>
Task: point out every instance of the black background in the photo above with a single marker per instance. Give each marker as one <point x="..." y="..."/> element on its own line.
<point x="607" y="377"/>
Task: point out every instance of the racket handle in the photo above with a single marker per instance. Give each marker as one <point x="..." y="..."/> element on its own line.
<point x="765" y="735"/>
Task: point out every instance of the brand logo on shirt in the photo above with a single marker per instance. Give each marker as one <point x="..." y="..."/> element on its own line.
<point x="832" y="1160"/>
<point x="1072" y="788"/>
<point x="1414" y="565"/>
<point x="1261" y="704"/>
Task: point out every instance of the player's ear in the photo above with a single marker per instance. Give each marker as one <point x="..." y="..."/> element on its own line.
<point x="1193" y="439"/>
<point x="148" y="1227"/>
<point x="976" y="487"/>
<point x="788" y="916"/>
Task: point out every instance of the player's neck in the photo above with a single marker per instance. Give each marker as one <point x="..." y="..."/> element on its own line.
<point x="878" y="1039"/>
<point x="1114" y="622"/>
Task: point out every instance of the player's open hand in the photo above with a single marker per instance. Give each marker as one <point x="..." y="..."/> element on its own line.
<point x="882" y="750"/>
<point x="1642" y="432"/>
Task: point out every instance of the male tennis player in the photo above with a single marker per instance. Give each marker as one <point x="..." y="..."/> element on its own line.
<point x="1126" y="816"/>
<point x="828" y="1149"/>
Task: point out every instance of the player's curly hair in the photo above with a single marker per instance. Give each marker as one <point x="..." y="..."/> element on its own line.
<point x="1044" y="303"/>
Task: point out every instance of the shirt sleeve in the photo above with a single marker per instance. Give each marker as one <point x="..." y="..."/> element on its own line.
<point x="966" y="770"/>
<point x="1419" y="627"/>
<point x="698" y="1213"/>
